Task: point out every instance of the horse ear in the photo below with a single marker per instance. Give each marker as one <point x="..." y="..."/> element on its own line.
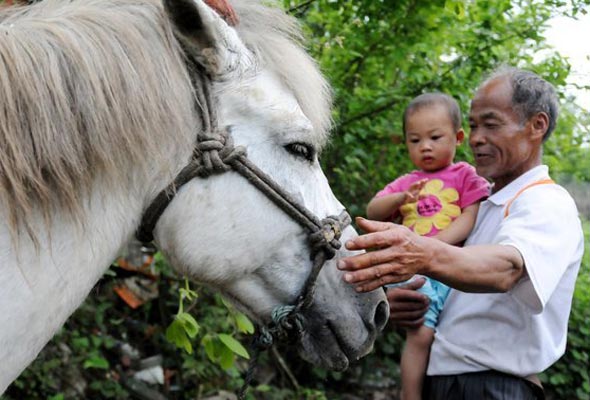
<point x="208" y="38"/>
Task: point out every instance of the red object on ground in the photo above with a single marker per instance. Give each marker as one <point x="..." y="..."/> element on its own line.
<point x="128" y="296"/>
<point x="224" y="9"/>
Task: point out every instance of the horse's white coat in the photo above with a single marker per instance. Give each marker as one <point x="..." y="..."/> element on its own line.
<point x="51" y="282"/>
<point x="220" y="231"/>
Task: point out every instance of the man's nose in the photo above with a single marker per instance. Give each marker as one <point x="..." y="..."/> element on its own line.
<point x="475" y="138"/>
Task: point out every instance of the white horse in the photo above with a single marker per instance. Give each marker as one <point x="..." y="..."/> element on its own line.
<point x="101" y="102"/>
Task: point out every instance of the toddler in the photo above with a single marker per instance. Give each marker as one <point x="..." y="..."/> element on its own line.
<point x="440" y="199"/>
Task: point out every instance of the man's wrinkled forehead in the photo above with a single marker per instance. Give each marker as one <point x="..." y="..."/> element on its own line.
<point x="484" y="115"/>
<point x="491" y="98"/>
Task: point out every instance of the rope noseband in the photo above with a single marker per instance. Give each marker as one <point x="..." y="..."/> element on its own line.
<point x="215" y="153"/>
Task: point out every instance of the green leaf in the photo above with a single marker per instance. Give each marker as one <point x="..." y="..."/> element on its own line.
<point x="233" y="345"/>
<point x="244" y="324"/>
<point x="209" y="345"/>
<point x="226" y="358"/>
<point x="263" y="388"/>
<point x="96" y="362"/>
<point x="226" y="303"/>
<point x="96" y="340"/>
<point x="176" y="334"/>
<point x="110" y="272"/>
<point x="459" y="9"/>
<point x="190" y="325"/>
<point x="81" y="342"/>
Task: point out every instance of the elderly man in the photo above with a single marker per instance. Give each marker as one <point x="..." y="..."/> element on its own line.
<point x="513" y="281"/>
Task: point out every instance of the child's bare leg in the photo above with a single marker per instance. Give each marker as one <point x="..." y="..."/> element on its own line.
<point x="414" y="362"/>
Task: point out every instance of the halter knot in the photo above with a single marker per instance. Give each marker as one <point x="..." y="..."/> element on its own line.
<point x="263" y="340"/>
<point x="217" y="153"/>
<point x="287" y="323"/>
<point x="326" y="238"/>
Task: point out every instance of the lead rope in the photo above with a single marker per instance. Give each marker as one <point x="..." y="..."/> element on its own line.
<point x="287" y="321"/>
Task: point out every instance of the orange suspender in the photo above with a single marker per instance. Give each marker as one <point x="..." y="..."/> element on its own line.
<point x="540" y="182"/>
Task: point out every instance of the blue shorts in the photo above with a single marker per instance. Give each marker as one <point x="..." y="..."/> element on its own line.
<point x="437" y="292"/>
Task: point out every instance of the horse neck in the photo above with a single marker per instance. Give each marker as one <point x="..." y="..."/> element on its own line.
<point x="40" y="286"/>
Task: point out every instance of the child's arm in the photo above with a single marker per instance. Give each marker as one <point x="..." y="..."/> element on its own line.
<point x="460" y="228"/>
<point x="384" y="207"/>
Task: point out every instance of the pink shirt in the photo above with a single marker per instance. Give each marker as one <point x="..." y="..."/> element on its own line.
<point x="446" y="193"/>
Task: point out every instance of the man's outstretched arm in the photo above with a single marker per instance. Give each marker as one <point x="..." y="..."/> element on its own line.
<point x="394" y="253"/>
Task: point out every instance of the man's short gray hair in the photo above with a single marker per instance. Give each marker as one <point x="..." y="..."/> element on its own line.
<point x="531" y="94"/>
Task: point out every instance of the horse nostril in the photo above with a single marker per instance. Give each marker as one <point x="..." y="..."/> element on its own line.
<point x="381" y="315"/>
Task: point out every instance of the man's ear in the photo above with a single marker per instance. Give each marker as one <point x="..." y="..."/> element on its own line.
<point x="539" y="124"/>
<point x="460" y="135"/>
<point x="207" y="38"/>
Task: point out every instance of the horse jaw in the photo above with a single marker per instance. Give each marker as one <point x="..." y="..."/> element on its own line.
<point x="341" y="332"/>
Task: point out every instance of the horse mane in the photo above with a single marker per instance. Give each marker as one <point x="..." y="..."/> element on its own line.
<point x="83" y="95"/>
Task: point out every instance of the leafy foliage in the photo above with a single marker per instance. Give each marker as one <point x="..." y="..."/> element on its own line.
<point x="570" y="377"/>
<point x="77" y="362"/>
<point x="100" y="348"/>
<point x="378" y="55"/>
<point x="184" y="327"/>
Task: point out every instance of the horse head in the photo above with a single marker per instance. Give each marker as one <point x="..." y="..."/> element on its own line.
<point x="225" y="232"/>
<point x="109" y="101"/>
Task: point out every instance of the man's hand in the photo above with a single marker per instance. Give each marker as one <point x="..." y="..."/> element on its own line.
<point x="407" y="306"/>
<point x="394" y="254"/>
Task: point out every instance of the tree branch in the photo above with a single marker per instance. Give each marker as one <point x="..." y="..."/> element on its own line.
<point x="285" y="368"/>
<point x="298" y="7"/>
<point x="453" y="66"/>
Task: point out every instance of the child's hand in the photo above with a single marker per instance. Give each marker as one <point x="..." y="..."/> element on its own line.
<point x="413" y="192"/>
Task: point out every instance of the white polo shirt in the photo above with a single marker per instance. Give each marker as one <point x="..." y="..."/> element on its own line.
<point x="523" y="331"/>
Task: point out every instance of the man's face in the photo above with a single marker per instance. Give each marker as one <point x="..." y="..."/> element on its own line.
<point x="502" y="145"/>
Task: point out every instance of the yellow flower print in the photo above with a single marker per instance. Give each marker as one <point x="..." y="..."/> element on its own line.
<point x="434" y="208"/>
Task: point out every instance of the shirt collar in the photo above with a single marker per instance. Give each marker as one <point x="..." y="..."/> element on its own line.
<point x="509" y="191"/>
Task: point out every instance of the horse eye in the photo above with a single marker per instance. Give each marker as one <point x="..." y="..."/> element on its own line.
<point x="303" y="150"/>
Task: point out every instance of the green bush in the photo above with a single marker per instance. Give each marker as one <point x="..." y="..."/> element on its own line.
<point x="87" y="358"/>
<point x="569" y="378"/>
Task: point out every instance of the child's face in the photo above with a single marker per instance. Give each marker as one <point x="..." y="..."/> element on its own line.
<point x="430" y="138"/>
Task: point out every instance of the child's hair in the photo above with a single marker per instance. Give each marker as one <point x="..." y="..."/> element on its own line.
<point x="429" y="99"/>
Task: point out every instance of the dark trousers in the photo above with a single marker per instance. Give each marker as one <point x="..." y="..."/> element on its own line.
<point x="485" y="385"/>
